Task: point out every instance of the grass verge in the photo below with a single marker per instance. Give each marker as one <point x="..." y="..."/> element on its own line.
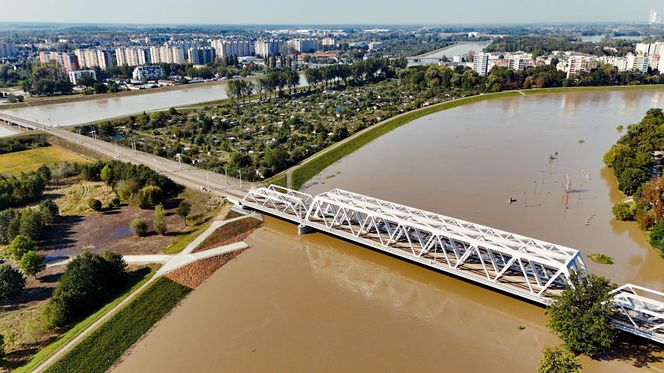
<point x="103" y="347"/>
<point x="49" y="350"/>
<point x="29" y="160"/>
<point x="318" y="162"/>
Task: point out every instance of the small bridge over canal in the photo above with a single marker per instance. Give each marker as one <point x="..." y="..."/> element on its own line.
<point x="524" y="267"/>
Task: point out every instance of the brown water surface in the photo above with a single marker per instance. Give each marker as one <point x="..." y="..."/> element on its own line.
<point x="312" y="302"/>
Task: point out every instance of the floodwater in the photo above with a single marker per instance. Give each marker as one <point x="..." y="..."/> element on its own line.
<point x="313" y="302"/>
<point x="77" y="112"/>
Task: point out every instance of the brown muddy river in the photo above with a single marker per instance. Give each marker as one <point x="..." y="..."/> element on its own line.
<point x="314" y="303"/>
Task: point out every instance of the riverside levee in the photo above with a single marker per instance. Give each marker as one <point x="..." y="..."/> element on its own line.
<point x="522" y="266"/>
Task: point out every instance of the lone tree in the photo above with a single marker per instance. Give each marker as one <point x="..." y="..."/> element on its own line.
<point x="183" y="210"/>
<point x="12" y="282"/>
<point x="32" y="263"/>
<point x="558" y="359"/>
<point x="159" y="223"/>
<point x="582" y="315"/>
<point x="20" y="245"/>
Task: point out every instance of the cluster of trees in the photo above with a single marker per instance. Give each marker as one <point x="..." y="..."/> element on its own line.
<point x="18" y="191"/>
<point x="137" y="184"/>
<point x="371" y="70"/>
<point x="46" y="79"/>
<point x="18" y="143"/>
<point x="30" y="222"/>
<point x="88" y="282"/>
<point x="632" y="159"/>
<point x="540" y="45"/>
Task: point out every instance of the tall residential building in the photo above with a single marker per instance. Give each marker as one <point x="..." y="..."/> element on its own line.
<point x="67" y="61"/>
<point x="265" y="48"/>
<point x="93" y="58"/>
<point x="167" y="54"/>
<point x="481" y="63"/>
<point x="201" y="56"/>
<point x="132" y="56"/>
<point x="638" y="63"/>
<point x="305" y="45"/>
<point x="7" y="50"/>
<point x="328" y="42"/>
<point x="576" y="65"/>
<point x="237" y="48"/>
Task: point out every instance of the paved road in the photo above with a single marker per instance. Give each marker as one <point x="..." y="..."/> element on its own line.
<point x="184" y="174"/>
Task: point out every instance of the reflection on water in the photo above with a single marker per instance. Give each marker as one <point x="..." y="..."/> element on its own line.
<point x="5" y="132"/>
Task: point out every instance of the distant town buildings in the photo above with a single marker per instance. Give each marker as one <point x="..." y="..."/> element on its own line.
<point x="266" y="48"/>
<point x="305" y="45"/>
<point x="132" y="56"/>
<point x="148" y="72"/>
<point x="328" y="42"/>
<point x="93" y="58"/>
<point x="375" y="45"/>
<point x="201" y="56"/>
<point x="236" y="48"/>
<point x="76" y="75"/>
<point x="67" y="61"/>
<point x="7" y="50"/>
<point x="481" y="63"/>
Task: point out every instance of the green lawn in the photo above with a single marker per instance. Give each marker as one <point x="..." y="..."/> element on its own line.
<point x="30" y="160"/>
<point x="63" y="339"/>
<point x="103" y="347"/>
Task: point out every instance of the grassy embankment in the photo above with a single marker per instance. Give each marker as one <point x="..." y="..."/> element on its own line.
<point x="103" y="347"/>
<point x="70" y="334"/>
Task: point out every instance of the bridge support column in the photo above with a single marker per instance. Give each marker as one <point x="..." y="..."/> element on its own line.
<point x="304" y="229"/>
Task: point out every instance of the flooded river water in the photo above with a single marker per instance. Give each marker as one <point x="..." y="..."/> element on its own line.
<point x="313" y="302"/>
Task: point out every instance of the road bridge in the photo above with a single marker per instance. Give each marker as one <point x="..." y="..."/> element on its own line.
<point x="521" y="266"/>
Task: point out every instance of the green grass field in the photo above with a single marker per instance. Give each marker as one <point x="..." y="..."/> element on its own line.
<point x="30" y="160"/>
<point x="63" y="339"/>
<point x="103" y="347"/>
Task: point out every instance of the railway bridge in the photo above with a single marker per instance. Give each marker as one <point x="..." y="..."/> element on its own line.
<point x="521" y="266"/>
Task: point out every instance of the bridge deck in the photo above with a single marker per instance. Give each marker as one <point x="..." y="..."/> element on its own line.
<point x="522" y="266"/>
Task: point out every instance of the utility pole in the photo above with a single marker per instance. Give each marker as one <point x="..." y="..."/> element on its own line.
<point x="240" y="179"/>
<point x="226" y="173"/>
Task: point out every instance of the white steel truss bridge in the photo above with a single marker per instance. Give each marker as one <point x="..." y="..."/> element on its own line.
<point x="521" y="266"/>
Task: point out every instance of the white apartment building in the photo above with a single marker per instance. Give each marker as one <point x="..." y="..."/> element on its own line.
<point x="67" y="61"/>
<point x="201" y="56"/>
<point x="305" y="45"/>
<point x="481" y="63"/>
<point x="237" y="48"/>
<point x="76" y="75"/>
<point x="637" y="62"/>
<point x="265" y="48"/>
<point x="93" y="58"/>
<point x="328" y="42"/>
<point x="148" y="72"/>
<point x="577" y="64"/>
<point x="132" y="56"/>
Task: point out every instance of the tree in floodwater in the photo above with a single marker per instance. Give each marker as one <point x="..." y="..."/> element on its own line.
<point x="581" y="315"/>
<point x="558" y="359"/>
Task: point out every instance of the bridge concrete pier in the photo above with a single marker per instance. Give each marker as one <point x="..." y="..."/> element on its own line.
<point x="304" y="229"/>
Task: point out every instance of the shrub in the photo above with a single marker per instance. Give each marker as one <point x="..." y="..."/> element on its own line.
<point x="149" y="196"/>
<point x="88" y="281"/>
<point x="32" y="263"/>
<point x="20" y="246"/>
<point x="48" y="210"/>
<point x="624" y="211"/>
<point x="2" y="347"/>
<point x="657" y="236"/>
<point x="558" y="359"/>
<point x="581" y="315"/>
<point x="139" y="227"/>
<point x="11" y="282"/>
<point x="31" y="224"/>
<point x="159" y="222"/>
<point x="95" y="204"/>
<point x="115" y="202"/>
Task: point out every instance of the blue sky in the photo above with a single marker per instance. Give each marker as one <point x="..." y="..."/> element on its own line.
<point x="330" y="11"/>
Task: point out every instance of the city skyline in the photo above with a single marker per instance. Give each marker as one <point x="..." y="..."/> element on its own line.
<point x="340" y="12"/>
